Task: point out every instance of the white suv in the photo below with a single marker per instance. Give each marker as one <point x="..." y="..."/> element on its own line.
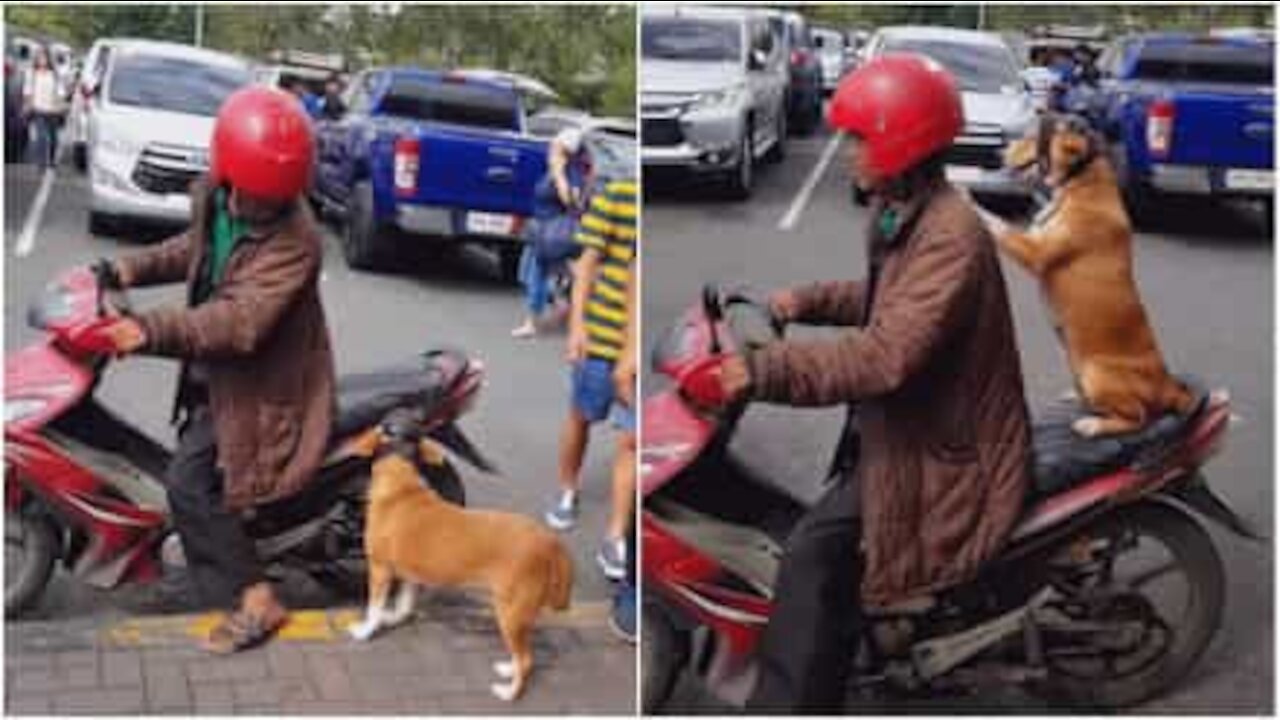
<point x="713" y="92"/>
<point x="148" y="135"/>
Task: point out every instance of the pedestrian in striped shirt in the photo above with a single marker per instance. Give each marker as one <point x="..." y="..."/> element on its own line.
<point x="598" y="327"/>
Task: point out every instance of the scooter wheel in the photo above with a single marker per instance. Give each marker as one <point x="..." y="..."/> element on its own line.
<point x="31" y="547"/>
<point x="664" y="651"/>
<point x="1163" y="537"/>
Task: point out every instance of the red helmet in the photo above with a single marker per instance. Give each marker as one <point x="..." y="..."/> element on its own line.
<point x="904" y="107"/>
<point x="262" y="144"/>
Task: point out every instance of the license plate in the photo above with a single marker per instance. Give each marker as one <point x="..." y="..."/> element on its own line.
<point x="1249" y="179"/>
<point x="481" y="223"/>
<point x="963" y="174"/>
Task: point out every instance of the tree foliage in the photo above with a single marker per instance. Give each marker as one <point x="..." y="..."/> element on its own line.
<point x="586" y="52"/>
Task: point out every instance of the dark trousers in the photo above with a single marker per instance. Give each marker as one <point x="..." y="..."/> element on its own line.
<point x="46" y="146"/>
<point x="221" y="557"/>
<point x="807" y="650"/>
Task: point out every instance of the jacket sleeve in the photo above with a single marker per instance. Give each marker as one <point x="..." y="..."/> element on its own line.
<point x="164" y="263"/>
<point x="243" y="310"/>
<point x="830" y="303"/>
<point x="913" y="320"/>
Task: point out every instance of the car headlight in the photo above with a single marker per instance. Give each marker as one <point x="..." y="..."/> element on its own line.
<point x="716" y="98"/>
<point x="17" y="409"/>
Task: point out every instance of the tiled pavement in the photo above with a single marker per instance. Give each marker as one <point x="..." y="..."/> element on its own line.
<point x="439" y="663"/>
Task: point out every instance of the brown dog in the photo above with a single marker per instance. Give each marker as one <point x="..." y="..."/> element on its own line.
<point x="1080" y="248"/>
<point x="412" y="535"/>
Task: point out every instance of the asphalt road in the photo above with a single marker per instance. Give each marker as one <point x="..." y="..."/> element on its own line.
<point x="1206" y="278"/>
<point x="439" y="299"/>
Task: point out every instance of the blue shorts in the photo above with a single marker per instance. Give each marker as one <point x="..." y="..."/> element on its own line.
<point x="624" y="417"/>
<point x="593" y="388"/>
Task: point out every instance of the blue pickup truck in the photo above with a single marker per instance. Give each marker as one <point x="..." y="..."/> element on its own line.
<point x="428" y="156"/>
<point x="1187" y="114"/>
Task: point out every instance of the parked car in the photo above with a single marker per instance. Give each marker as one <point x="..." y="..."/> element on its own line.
<point x="834" y="54"/>
<point x="551" y="120"/>
<point x="804" y="91"/>
<point x="428" y="156"/>
<point x="83" y="92"/>
<point x="282" y="76"/>
<point x="150" y="126"/>
<point x="1188" y="115"/>
<point x="713" y="86"/>
<point x="997" y="104"/>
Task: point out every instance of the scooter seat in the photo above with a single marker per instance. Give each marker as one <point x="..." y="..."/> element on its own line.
<point x="364" y="399"/>
<point x="1064" y="459"/>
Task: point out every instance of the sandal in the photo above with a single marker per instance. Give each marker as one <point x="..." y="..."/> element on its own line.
<point x="240" y="631"/>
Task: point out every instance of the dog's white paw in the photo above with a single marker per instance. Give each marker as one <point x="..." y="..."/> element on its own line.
<point x="398" y="619"/>
<point x="362" y="631"/>
<point x="505" y="692"/>
<point x="1087" y="427"/>
<point x="505" y="669"/>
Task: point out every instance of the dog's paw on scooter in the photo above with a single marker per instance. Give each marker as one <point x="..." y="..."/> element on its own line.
<point x="414" y="537"/>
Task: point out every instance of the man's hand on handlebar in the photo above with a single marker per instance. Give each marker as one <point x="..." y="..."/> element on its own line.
<point x="126" y="334"/>
<point x="784" y="306"/>
<point x="735" y="379"/>
<point x="721" y="382"/>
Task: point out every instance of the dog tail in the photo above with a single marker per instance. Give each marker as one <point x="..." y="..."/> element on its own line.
<point x="560" y="584"/>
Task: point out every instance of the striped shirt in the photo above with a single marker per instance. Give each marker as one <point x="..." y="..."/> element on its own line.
<point x="610" y="228"/>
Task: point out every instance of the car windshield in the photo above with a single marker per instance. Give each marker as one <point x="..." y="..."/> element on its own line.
<point x="977" y="68"/>
<point x="174" y="84"/>
<point x="691" y="40"/>
<point x="456" y="103"/>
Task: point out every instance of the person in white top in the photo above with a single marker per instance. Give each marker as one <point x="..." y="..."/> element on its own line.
<point x="42" y="105"/>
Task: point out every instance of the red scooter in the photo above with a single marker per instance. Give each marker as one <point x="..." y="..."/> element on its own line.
<point x="1105" y="595"/>
<point x="84" y="487"/>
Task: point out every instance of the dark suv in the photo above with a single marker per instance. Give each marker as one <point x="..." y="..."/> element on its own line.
<point x="804" y="95"/>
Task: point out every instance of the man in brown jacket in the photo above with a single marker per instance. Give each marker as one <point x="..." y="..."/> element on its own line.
<point x="940" y="477"/>
<point x="256" y="391"/>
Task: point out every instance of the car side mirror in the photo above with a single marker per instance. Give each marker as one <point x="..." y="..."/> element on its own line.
<point x="757" y="60"/>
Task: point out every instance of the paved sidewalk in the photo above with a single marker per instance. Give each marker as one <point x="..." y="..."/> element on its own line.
<point x="438" y="663"/>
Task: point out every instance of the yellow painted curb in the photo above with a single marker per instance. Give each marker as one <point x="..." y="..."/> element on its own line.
<point x="308" y="625"/>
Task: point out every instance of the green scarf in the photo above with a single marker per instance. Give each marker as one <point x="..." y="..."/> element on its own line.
<point x="226" y="231"/>
<point x="888" y="224"/>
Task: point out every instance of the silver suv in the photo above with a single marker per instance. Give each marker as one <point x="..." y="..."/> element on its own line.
<point x="713" y="92"/>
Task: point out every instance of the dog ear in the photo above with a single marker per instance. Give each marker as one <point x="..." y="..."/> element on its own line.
<point x="366" y="443"/>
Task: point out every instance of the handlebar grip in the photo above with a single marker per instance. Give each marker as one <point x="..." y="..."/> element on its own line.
<point x="108" y="277"/>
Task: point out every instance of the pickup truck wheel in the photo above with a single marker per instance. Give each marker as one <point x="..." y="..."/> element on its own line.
<point x="360" y="242"/>
<point x="741" y="180"/>
<point x="1137" y="198"/>
<point x="509" y="263"/>
<point x="102" y="224"/>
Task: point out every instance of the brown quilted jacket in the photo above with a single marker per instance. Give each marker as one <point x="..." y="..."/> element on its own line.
<point x="945" y="435"/>
<point x="264" y="343"/>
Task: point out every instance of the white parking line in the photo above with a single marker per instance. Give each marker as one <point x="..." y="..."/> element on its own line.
<point x="789" y="220"/>
<point x="27" y="240"/>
